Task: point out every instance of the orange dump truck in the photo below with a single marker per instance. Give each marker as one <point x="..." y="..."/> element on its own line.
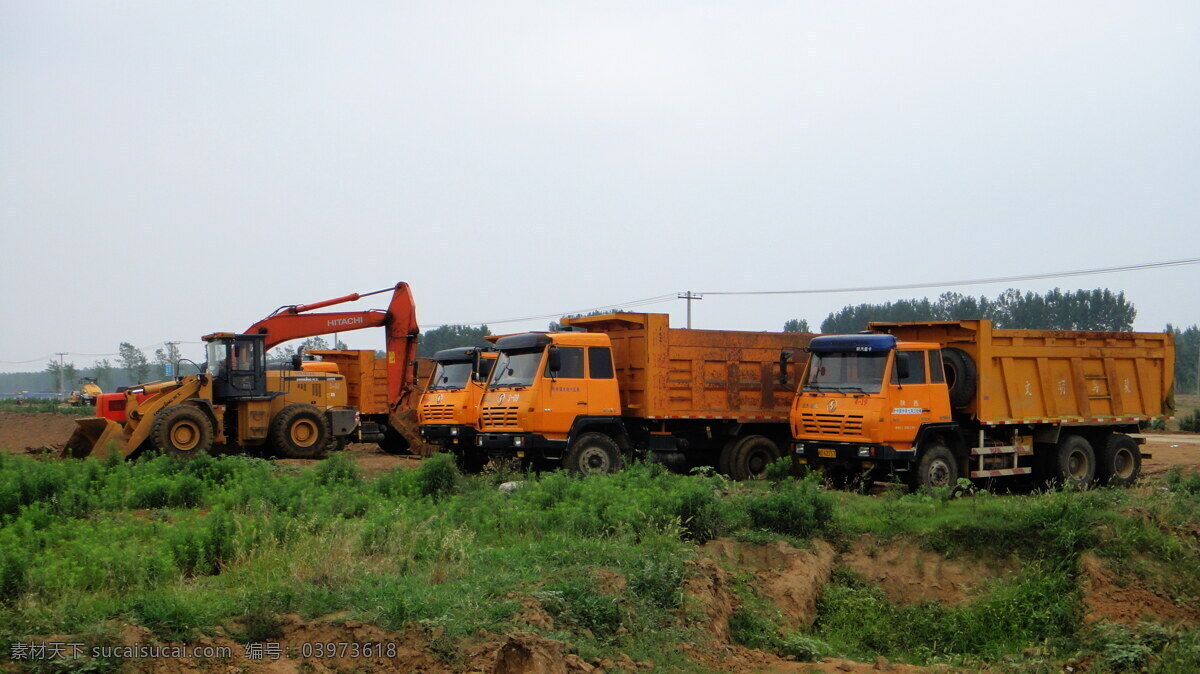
<point x="626" y="384"/>
<point x="937" y="401"/>
<point x="449" y="409"/>
<point x="366" y="375"/>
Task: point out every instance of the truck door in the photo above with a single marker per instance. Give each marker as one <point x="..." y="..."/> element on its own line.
<point x="603" y="398"/>
<point x="911" y="395"/>
<point x="566" y="390"/>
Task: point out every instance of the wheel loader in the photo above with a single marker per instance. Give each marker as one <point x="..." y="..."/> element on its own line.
<point x="86" y="395"/>
<point x="233" y="401"/>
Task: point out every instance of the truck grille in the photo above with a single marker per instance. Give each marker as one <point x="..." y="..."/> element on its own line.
<point x="831" y="424"/>
<point x="499" y="416"/>
<point x="438" y="412"/>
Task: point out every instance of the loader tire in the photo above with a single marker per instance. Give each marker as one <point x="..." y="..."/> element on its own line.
<point x="1119" y="461"/>
<point x="961" y="376"/>
<point x="181" y="431"/>
<point x="300" y="431"/>
<point x="593" y="453"/>
<point x="1075" y="461"/>
<point x="751" y="456"/>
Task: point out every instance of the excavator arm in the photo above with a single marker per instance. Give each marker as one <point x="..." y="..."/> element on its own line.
<point x="399" y="321"/>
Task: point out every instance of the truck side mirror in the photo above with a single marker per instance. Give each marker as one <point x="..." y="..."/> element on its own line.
<point x="475" y="365"/>
<point x="414" y="371"/>
<point x="902" y="366"/>
<point x="555" y="362"/>
<point x="784" y="357"/>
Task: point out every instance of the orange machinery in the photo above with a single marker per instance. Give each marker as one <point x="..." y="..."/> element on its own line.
<point x="936" y="401"/>
<point x="627" y="384"/>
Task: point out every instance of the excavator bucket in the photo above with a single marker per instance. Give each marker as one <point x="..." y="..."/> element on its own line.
<point x="96" y="435"/>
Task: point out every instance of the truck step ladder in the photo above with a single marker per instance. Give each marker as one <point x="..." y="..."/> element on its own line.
<point x="1015" y="452"/>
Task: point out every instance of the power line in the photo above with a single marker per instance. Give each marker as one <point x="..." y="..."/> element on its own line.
<point x="969" y="282"/>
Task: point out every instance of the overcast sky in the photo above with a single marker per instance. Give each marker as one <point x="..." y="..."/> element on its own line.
<point x="169" y="169"/>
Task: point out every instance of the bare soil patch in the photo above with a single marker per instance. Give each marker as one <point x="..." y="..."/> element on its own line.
<point x="1124" y="600"/>
<point x="20" y="431"/>
<point x="910" y="575"/>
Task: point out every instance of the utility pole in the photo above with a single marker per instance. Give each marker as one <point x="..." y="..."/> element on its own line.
<point x="690" y="296"/>
<point x="60" y="355"/>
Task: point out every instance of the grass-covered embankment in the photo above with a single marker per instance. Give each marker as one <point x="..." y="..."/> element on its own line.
<point x="183" y="548"/>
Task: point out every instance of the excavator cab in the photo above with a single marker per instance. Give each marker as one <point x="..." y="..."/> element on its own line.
<point x="237" y="365"/>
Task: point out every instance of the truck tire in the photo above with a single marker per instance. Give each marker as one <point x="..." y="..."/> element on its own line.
<point x="961" y="376"/>
<point x="751" y="456"/>
<point x="300" y="431"/>
<point x="181" y="431"/>
<point x="394" y="443"/>
<point x="1120" y="461"/>
<point x="725" y="457"/>
<point x="593" y="453"/>
<point x="937" y="467"/>
<point x="1075" y="461"/>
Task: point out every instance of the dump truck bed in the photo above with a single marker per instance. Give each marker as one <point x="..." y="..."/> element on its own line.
<point x="675" y="373"/>
<point x="1057" y="376"/>
<point x="366" y="378"/>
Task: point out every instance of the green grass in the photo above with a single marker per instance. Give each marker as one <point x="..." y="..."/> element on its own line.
<point x="184" y="547"/>
<point x="40" y="406"/>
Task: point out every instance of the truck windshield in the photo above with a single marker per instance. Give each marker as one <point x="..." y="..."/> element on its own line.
<point x="855" y="372"/>
<point x="450" y="376"/>
<point x="516" y="368"/>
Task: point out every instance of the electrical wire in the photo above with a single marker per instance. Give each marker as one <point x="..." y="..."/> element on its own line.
<point x="982" y="281"/>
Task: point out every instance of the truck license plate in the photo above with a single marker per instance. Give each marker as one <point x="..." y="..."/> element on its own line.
<point x="827" y="453"/>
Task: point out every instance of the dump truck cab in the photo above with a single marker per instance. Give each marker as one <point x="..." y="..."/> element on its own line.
<point x="866" y="399"/>
<point x="545" y="389"/>
<point x="448" y="413"/>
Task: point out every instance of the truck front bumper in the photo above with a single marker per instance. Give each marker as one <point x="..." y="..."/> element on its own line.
<point x="449" y="435"/>
<point x="848" y="453"/>
<point x="520" y="445"/>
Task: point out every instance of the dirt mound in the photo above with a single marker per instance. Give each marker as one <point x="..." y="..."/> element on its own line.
<point x="910" y="575"/>
<point x="1128" y="602"/>
<point x="791" y="578"/>
<point x="526" y="652"/>
<point x="31" y="430"/>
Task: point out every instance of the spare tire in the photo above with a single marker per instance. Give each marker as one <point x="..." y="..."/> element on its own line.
<point x="961" y="376"/>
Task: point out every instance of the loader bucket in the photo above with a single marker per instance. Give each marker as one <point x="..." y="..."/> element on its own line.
<point x="96" y="434"/>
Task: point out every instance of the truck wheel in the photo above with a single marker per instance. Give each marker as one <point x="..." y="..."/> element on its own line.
<point x="1120" y="461"/>
<point x="961" y="376"/>
<point x="394" y="443"/>
<point x="593" y="453"/>
<point x="1075" y="461"/>
<point x="725" y="457"/>
<point x="182" y="431"/>
<point x="751" y="456"/>
<point x="936" y="468"/>
<point x="300" y="431"/>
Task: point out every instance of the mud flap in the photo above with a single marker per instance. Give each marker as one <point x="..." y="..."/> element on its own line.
<point x="96" y="435"/>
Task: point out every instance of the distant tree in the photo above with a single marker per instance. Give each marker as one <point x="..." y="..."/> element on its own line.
<point x="450" y="337"/>
<point x="1187" y="358"/>
<point x="167" y="356"/>
<point x="55" y="371"/>
<point x="796" y="325"/>
<point x="1098" y="309"/>
<point x="133" y="361"/>
<point x="281" y="354"/>
<point x="70" y="376"/>
<point x="102" y="370"/>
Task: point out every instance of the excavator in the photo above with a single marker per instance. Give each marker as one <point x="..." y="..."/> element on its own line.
<point x="235" y="400"/>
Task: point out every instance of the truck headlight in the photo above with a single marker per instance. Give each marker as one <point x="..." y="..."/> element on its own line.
<point x="454" y="430"/>
<point x="864" y="452"/>
<point x="518" y="441"/>
<point x="799" y="447"/>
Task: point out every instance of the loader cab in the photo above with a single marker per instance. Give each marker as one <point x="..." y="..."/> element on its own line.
<point x="237" y="365"/>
